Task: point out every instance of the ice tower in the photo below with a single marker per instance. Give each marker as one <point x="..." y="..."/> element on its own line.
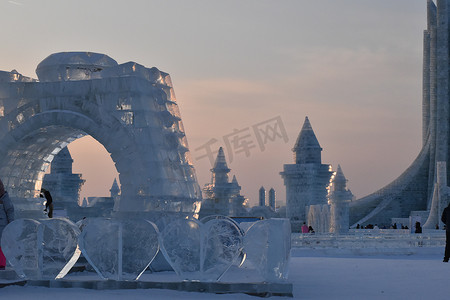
<point x="130" y="109"/>
<point x="306" y="180"/>
<point x="221" y="196"/>
<point x="272" y="198"/>
<point x="262" y="196"/>
<point x="413" y="190"/>
<point x="63" y="185"/>
<point x="339" y="198"/>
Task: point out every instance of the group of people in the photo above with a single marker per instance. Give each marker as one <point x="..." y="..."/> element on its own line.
<point x="399" y="226"/>
<point x="371" y="226"/>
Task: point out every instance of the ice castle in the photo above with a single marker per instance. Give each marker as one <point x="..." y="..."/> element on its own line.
<point x="307" y="179"/>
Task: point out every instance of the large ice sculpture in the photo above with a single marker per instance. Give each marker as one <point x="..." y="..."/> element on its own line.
<point x="119" y="249"/>
<point x="41" y="250"/>
<point x="129" y="109"/>
<point x="199" y="251"/>
<point x="267" y="244"/>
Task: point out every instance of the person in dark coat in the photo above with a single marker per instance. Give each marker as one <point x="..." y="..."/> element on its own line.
<point x="49" y="202"/>
<point x="418" y="228"/>
<point x="446" y="220"/>
<point x="6" y="217"/>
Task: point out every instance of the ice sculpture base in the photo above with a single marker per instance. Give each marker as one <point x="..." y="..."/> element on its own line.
<point x="262" y="289"/>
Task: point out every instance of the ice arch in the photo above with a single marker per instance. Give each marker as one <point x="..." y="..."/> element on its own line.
<point x="131" y="110"/>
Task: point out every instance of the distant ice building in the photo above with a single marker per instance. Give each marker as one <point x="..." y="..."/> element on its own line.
<point x="115" y="193"/>
<point x="96" y="206"/>
<point x="272" y="199"/>
<point x="222" y="197"/>
<point x="262" y="196"/>
<point x="307" y="179"/>
<point x="339" y="198"/>
<point x="64" y="186"/>
<point x="334" y="216"/>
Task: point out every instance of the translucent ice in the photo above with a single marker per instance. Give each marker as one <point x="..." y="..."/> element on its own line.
<point x="180" y="244"/>
<point x="85" y="93"/>
<point x="222" y="247"/>
<point x="242" y="255"/>
<point x="19" y="244"/>
<point x="41" y="250"/>
<point x="199" y="251"/>
<point x="119" y="249"/>
<point x="268" y="244"/>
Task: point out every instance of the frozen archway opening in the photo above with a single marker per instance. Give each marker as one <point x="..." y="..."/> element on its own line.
<point x="26" y="162"/>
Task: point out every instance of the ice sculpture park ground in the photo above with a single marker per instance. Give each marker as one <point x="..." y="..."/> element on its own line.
<point x="315" y="275"/>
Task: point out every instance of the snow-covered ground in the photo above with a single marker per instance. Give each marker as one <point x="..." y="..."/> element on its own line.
<point x="315" y="274"/>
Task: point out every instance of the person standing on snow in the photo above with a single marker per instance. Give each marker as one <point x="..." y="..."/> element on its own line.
<point x="48" y="203"/>
<point x="304" y="228"/>
<point x="446" y="220"/>
<point x="6" y="217"/>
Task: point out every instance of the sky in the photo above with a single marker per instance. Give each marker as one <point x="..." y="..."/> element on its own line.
<point x="352" y="66"/>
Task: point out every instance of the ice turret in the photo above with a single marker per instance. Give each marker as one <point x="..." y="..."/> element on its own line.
<point x="339" y="198"/>
<point x="220" y="170"/>
<point x="62" y="163"/>
<point x="63" y="185"/>
<point x="307" y="179"/>
<point x="221" y="196"/>
<point x="262" y="196"/>
<point x="272" y="198"/>
<point x="338" y="181"/>
<point x="307" y="148"/>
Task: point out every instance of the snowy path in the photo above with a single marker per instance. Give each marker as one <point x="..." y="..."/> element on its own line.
<point x="419" y="276"/>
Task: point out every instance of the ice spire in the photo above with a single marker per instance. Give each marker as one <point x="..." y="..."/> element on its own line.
<point x="307" y="148"/>
<point x="272" y="198"/>
<point x="62" y="162"/>
<point x="338" y="180"/>
<point x="337" y="190"/>
<point x="115" y="190"/>
<point x="220" y="170"/>
<point x="339" y="198"/>
<point x="262" y="196"/>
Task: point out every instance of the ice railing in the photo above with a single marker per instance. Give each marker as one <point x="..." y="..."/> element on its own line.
<point x="123" y="249"/>
<point x="364" y="238"/>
